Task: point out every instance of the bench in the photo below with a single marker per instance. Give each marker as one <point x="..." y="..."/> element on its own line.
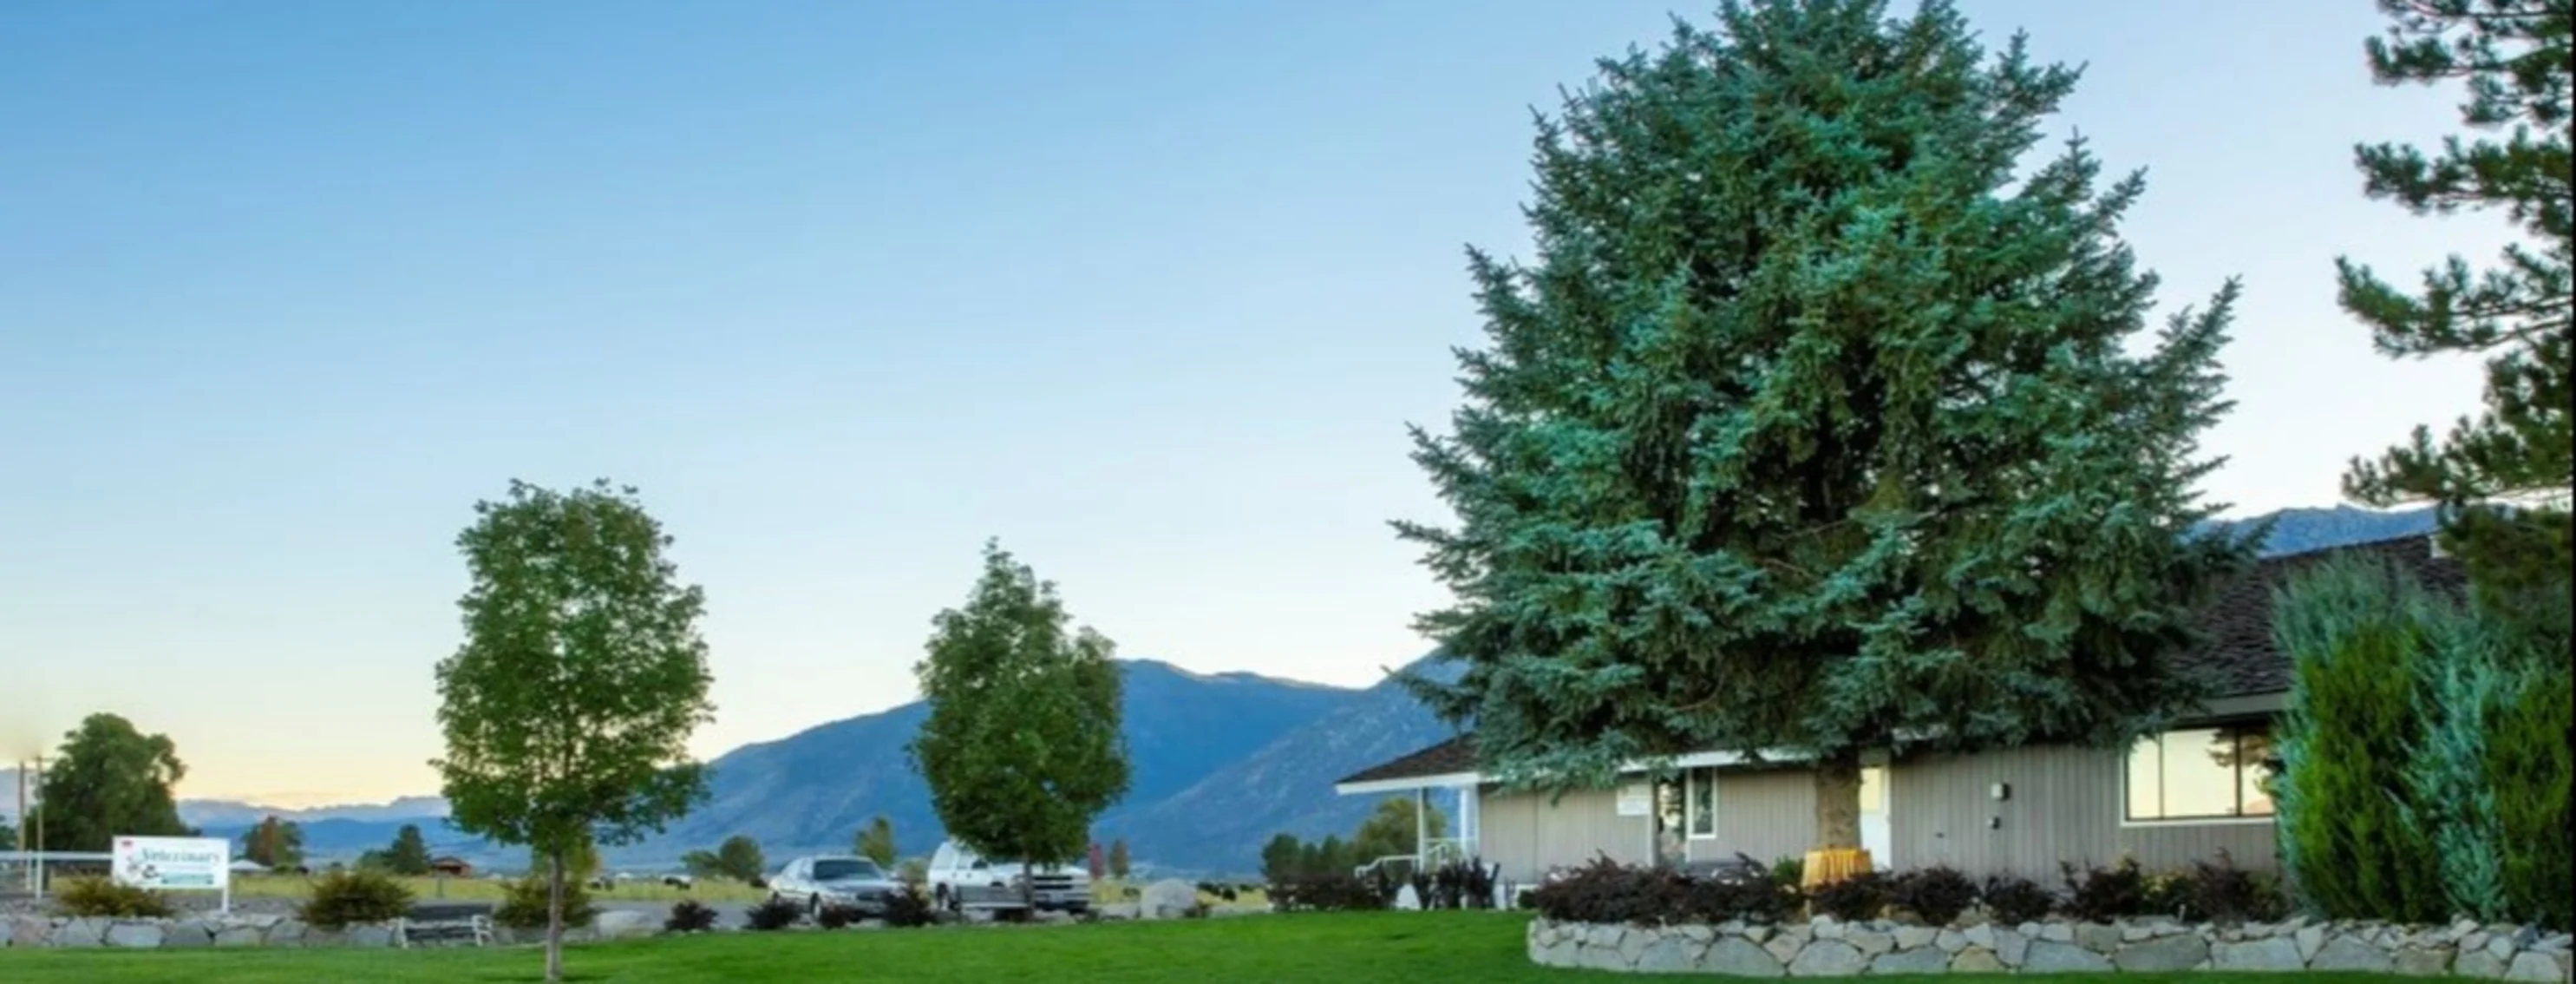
<point x="467" y="924"/>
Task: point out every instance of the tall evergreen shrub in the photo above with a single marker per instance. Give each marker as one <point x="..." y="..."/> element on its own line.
<point x="2528" y="765"/>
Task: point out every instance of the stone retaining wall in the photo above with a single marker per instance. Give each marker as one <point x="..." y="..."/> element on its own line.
<point x="1826" y="948"/>
<point x="266" y="929"/>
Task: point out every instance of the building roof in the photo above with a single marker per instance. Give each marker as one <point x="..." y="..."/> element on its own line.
<point x="2236" y="647"/>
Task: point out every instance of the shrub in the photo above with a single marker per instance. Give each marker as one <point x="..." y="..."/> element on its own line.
<point x="1790" y="871"/>
<point x="2529" y="743"/>
<point x="2219" y="891"/>
<point x="2013" y="900"/>
<point x="1862" y="896"/>
<point x="1753" y="894"/>
<point x="2104" y="894"/>
<point x="774" y="914"/>
<point x="909" y="907"/>
<point x="347" y="897"/>
<point x="1606" y="891"/>
<point x="100" y="897"/>
<point x="1936" y="895"/>
<point x="523" y="904"/>
<point x="1461" y="885"/>
<point x="1332" y="892"/>
<point x="690" y="916"/>
<point x="837" y="916"/>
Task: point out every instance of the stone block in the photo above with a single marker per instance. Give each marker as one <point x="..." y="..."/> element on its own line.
<point x="190" y="933"/>
<point x="135" y="935"/>
<point x="2351" y="952"/>
<point x="1740" y="958"/>
<point x="2420" y="961"/>
<point x="1871" y="942"/>
<point x="1828" y="958"/>
<point x="1915" y="937"/>
<point x="1977" y="960"/>
<point x="2532" y="965"/>
<point x="1981" y="934"/>
<point x="2052" y="957"/>
<point x="2276" y="953"/>
<point x="1670" y="953"/>
<point x="2057" y="932"/>
<point x="2097" y="937"/>
<point x="2011" y="947"/>
<point x="1919" y="960"/>
<point x="2163" y="955"/>
<point x="2478" y="963"/>
<point x="1953" y="941"/>
<point x="78" y="933"/>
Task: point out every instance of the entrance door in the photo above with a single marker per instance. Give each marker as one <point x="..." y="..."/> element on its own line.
<point x="1874" y="835"/>
<point x="1671" y="848"/>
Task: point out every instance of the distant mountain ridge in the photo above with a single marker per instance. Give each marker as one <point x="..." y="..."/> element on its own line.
<point x="226" y="813"/>
<point x="1223" y="761"/>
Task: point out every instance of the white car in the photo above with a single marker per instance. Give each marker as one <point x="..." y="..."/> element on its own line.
<point x="817" y="882"/>
<point x="960" y="880"/>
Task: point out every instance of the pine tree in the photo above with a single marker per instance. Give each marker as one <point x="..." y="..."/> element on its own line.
<point x="876" y="842"/>
<point x="1815" y="426"/>
<point x="2518" y="63"/>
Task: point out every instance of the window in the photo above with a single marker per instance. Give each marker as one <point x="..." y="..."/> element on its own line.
<point x="1703" y="803"/>
<point x="2202" y="774"/>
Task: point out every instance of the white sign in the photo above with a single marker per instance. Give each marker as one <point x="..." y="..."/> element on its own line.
<point x="1636" y="799"/>
<point x="174" y="864"/>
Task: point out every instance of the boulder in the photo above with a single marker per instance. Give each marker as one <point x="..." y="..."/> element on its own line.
<point x="2057" y="932"/>
<point x="1977" y="960"/>
<point x="1872" y="942"/>
<point x="79" y="933"/>
<point x="287" y="932"/>
<point x="1406" y="899"/>
<point x="1786" y="946"/>
<point x="2417" y="961"/>
<point x="2052" y="957"/>
<point x="1739" y="958"/>
<point x="1173" y="898"/>
<point x="1829" y="928"/>
<point x="1633" y="946"/>
<point x="1915" y="937"/>
<point x="193" y="932"/>
<point x="1919" y="960"/>
<point x="1669" y="953"/>
<point x="1953" y="941"/>
<point x="369" y="935"/>
<point x="1828" y="958"/>
<point x="2166" y="954"/>
<point x="238" y="935"/>
<point x="2011" y="947"/>
<point x="1981" y="934"/>
<point x="2276" y="953"/>
<point x="2349" y="952"/>
<point x="135" y="935"/>
<point x="2532" y="965"/>
<point x="30" y="930"/>
<point x="2311" y="939"/>
<point x="2478" y="963"/>
<point x="2098" y="937"/>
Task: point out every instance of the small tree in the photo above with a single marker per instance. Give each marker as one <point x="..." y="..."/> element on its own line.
<point x="568" y="709"/>
<point x="1283" y="859"/>
<point x="1023" y="745"/>
<point x="273" y="842"/>
<point x="739" y="858"/>
<point x="409" y="854"/>
<point x="1119" y="862"/>
<point x="876" y="842"/>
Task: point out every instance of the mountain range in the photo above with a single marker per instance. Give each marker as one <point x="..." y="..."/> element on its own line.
<point x="1221" y="762"/>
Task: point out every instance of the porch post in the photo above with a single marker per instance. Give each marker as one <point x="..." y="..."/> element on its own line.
<point x="1421" y="828"/>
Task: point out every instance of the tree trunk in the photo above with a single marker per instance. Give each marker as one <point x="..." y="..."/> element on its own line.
<point x="554" y="915"/>
<point x="1838" y="801"/>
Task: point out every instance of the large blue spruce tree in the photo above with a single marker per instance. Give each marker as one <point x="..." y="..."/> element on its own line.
<point x="1817" y="426"/>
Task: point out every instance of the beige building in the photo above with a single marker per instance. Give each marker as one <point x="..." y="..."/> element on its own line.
<point x="2171" y="799"/>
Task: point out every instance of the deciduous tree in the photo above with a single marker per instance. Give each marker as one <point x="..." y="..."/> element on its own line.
<point x="568" y="709"/>
<point x="109" y="780"/>
<point x="876" y="842"/>
<point x="1390" y="830"/>
<point x="1023" y="746"/>
<point x="275" y="843"/>
<point x="2516" y="59"/>
<point x="1822" y="422"/>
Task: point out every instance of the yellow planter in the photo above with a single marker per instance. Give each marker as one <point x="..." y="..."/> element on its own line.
<point x="1828" y="867"/>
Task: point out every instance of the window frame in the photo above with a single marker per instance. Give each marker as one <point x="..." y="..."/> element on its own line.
<point x="1694" y="780"/>
<point x="2128" y="799"/>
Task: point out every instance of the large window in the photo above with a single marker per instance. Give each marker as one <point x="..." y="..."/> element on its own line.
<point x="2201" y="774"/>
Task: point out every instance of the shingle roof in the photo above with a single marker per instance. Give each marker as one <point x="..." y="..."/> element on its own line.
<point x="2236" y="647"/>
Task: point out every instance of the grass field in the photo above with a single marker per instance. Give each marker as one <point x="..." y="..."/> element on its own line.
<point x="490" y="890"/>
<point x="1355" y="948"/>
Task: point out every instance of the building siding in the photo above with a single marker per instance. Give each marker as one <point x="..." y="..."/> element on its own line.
<point x="1765" y="814"/>
<point x="2064" y="804"/>
<point x="1526" y="834"/>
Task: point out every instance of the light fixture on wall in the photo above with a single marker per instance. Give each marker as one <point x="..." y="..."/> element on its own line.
<point x="2000" y="791"/>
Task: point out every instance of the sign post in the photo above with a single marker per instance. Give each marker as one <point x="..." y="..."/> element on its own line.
<point x="175" y="864"/>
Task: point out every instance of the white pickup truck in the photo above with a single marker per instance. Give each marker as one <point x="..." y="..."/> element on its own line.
<point x="960" y="880"/>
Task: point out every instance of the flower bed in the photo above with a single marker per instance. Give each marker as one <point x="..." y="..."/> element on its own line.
<point x="1827" y="947"/>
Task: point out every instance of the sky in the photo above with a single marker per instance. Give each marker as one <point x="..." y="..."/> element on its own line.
<point x="1148" y="289"/>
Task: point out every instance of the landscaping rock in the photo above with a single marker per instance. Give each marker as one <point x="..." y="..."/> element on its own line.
<point x="2348" y="952"/>
<point x="1172" y="898"/>
<point x="2098" y="937"/>
<point x="239" y="936"/>
<point x="2052" y="957"/>
<point x="2268" y="954"/>
<point x="2163" y="955"/>
<point x="1786" y="946"/>
<point x="134" y="935"/>
<point x="2416" y="961"/>
<point x="30" y="930"/>
<point x="2057" y="933"/>
<point x="2011" y="947"/>
<point x="194" y="932"/>
<point x="1953" y="941"/>
<point x="1668" y="954"/>
<point x="1871" y="942"/>
<point x="1921" y="960"/>
<point x="79" y="933"/>
<point x="373" y="935"/>
<point x="289" y="932"/>
<point x="1977" y="960"/>
<point x="1981" y="934"/>
<point x="2534" y="966"/>
<point x="1827" y="958"/>
<point x="1406" y="899"/>
<point x="2478" y="963"/>
<point x="1740" y="958"/>
<point x="1829" y="928"/>
<point x="1915" y="937"/>
<point x="2311" y="939"/>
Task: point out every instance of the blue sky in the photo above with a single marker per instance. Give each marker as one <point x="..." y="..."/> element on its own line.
<point x="1146" y="288"/>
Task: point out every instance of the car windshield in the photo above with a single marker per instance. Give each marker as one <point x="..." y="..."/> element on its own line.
<point x="844" y="869"/>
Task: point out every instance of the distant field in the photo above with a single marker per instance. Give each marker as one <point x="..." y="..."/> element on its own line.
<point x="1346" y="948"/>
<point x="490" y="890"/>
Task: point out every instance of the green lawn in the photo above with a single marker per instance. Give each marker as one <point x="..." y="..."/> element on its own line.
<point x="1397" y="948"/>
